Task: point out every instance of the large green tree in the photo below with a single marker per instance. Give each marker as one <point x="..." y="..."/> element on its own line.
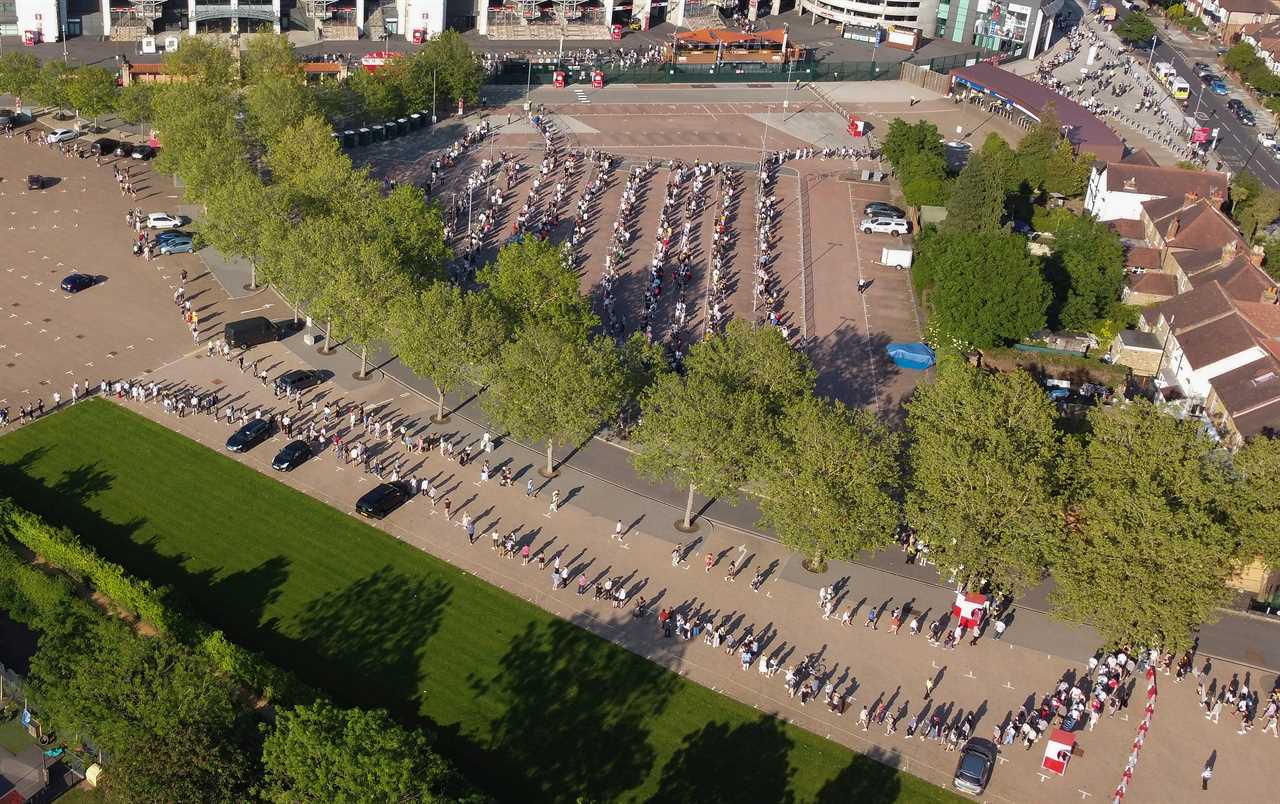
<point x="983" y="453"/>
<point x="1148" y="547"/>
<point x="530" y="281"/>
<point x="829" y="483"/>
<point x="1135" y="27"/>
<point x="169" y="721"/>
<point x="983" y="289"/>
<point x="709" y="428"/>
<point x="554" y="383"/>
<point x="978" y="197"/>
<point x="1086" y="270"/>
<point x="919" y="158"/>
<point x="92" y="92"/>
<point x="19" y="73"/>
<point x="1253" y="504"/>
<point x="318" y="752"/>
<point x="446" y="335"/>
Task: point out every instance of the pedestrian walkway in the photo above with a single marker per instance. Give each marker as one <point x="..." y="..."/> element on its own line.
<point x="876" y="668"/>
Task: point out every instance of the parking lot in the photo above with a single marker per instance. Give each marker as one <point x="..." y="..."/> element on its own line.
<point x="125" y="324"/>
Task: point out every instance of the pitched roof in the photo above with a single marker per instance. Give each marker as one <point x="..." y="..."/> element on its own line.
<point x="1168" y="182"/>
<point x="1193" y="307"/>
<point x="1215" y="340"/>
<point x="1140" y="157"/>
<point x="1127" y="228"/>
<point x="1251" y="394"/>
<point x="1153" y="283"/>
<point x="1242" y="280"/>
<point x="1265" y="316"/>
<point x="1142" y="257"/>
<point x="1201" y="225"/>
<point x="1137" y="339"/>
<point x="1249" y="6"/>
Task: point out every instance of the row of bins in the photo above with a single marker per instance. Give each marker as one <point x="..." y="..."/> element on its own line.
<point x="380" y="132"/>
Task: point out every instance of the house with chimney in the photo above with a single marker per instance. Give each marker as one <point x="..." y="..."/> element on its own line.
<point x="1117" y="190"/>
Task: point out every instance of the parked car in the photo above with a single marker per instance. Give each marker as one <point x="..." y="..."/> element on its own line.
<point x="381" y="500"/>
<point x="893" y="226"/>
<point x="170" y="234"/>
<point x="1207" y="78"/>
<point x="298" y="380"/>
<point x="74" y="283"/>
<point x="142" y="151"/>
<point x="177" y="245"/>
<point x="1268" y="139"/>
<point x="122" y="148"/>
<point x="163" y="220"/>
<point x="6" y="117"/>
<point x="103" y="146"/>
<point x="249" y="332"/>
<point x="249" y="436"/>
<point x="35" y="182"/>
<point x="1200" y="68"/>
<point x="1245" y="116"/>
<point x="973" y="771"/>
<point x="879" y="209"/>
<point x="293" y="455"/>
<point x="61" y="135"/>
<point x="1217" y="87"/>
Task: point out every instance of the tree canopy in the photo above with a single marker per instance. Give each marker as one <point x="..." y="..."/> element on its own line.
<point x="983" y="455"/>
<point x="983" y="289"/>
<point x="1134" y="28"/>
<point x="1086" y="269"/>
<point x="1148" y="547"/>
<point x="829" y="483"/>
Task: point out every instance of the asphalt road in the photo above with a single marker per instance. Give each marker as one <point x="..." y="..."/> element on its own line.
<point x="1238" y="146"/>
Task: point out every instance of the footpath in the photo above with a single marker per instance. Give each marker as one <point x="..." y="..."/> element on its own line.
<point x="990" y="679"/>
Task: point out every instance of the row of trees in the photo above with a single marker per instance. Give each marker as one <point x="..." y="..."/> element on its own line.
<point x="743" y="414"/>
<point x="269" y="81"/>
<point x="176" y="728"/>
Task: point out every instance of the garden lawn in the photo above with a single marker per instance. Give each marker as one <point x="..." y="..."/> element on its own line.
<point x="532" y="708"/>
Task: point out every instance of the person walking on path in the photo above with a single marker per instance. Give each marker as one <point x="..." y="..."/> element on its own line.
<point x="528" y="488"/>
<point x="928" y="688"/>
<point x="617" y="530"/>
<point x="864" y="718"/>
<point x="555" y="501"/>
<point x="999" y="626"/>
<point x="676" y="554"/>
<point x="711" y="560"/>
<point x="1205" y="776"/>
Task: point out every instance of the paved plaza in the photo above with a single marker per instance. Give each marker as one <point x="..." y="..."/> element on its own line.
<point x="130" y="327"/>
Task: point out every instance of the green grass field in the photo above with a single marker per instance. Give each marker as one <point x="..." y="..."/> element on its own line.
<point x="531" y="707"/>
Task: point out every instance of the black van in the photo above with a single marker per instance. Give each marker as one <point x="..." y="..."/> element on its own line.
<point x="250" y="332"/>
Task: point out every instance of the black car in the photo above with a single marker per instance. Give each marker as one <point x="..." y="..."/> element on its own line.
<point x="75" y="283"/>
<point x="298" y="380"/>
<point x="1246" y="117"/>
<point x="1207" y="78"/>
<point x="249" y="436"/>
<point x="879" y="209"/>
<point x="103" y="146"/>
<point x="381" y="500"/>
<point x="294" y="454"/>
<point x="973" y="771"/>
<point x="142" y="151"/>
<point x="1234" y="104"/>
<point x="35" y="182"/>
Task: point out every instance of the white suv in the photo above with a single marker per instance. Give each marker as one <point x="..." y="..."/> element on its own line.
<point x="893" y="226"/>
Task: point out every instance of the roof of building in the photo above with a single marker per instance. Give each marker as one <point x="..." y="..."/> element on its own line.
<point x="1214" y="340"/>
<point x="1127" y="228"/>
<point x="1153" y="283"/>
<point x="1142" y="257"/>
<point x="1201" y="225"/>
<point x="1126" y="176"/>
<point x="1243" y="280"/>
<point x="1087" y="132"/>
<point x="1137" y="339"/>
<point x="1265" y="33"/>
<point x="1251" y="394"/>
<point x="1265" y="317"/>
<point x="1249" y="6"/>
<point x="1193" y="307"/>
<point x="725" y="36"/>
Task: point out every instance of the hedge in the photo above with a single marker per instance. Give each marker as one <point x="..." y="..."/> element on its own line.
<point x="26" y="591"/>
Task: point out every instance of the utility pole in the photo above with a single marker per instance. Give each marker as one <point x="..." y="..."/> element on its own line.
<point x="433" y="97"/>
<point x="1152" y="54"/>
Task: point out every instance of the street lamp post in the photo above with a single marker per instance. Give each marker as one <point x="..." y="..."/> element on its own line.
<point x="1154" y="39"/>
<point x="433" y="97"/>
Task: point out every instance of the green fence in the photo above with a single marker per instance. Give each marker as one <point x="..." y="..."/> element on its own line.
<point x="542" y="74"/>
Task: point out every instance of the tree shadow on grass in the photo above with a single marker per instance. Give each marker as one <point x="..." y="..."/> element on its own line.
<point x="870" y="778"/>
<point x="578" y="710"/>
<point x="366" y="642"/>
<point x="723" y="764"/>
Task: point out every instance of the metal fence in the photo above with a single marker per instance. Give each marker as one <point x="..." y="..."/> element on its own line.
<point x="544" y="74"/>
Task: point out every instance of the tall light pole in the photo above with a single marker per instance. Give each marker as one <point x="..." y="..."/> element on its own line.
<point x="433" y="97"/>
<point x="1152" y="54"/>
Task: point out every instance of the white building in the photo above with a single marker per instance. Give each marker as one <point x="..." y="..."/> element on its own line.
<point x="47" y="18"/>
<point x="1117" y="190"/>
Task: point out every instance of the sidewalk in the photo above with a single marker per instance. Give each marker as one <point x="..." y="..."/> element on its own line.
<point x="990" y="678"/>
